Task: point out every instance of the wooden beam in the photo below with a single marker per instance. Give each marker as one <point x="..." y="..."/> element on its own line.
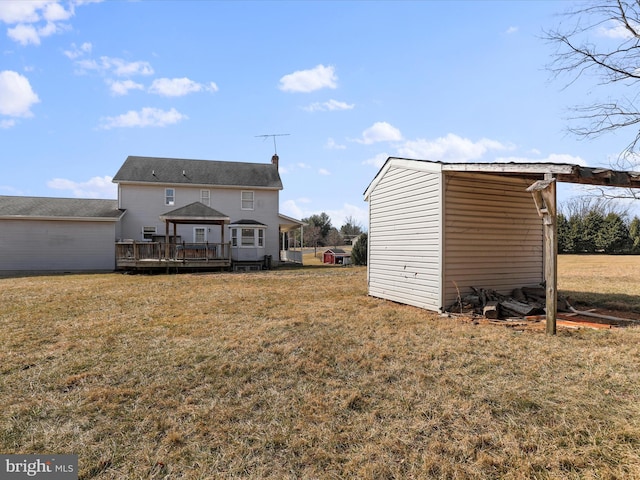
<point x="544" y="195"/>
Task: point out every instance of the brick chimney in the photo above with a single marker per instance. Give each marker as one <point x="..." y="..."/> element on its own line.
<point x="275" y="159"/>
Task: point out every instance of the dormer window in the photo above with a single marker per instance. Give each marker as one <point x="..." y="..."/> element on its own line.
<point x="247" y="200"/>
<point x="169" y="196"/>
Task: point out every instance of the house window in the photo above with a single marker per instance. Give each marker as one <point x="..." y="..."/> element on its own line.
<point x="199" y="235"/>
<point x="247" y="200"/>
<point x="169" y="196"/>
<point x="148" y="233"/>
<point x="247" y="237"/>
<point x="205" y="197"/>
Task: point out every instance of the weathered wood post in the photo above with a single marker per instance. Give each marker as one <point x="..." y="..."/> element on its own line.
<point x="544" y="195"/>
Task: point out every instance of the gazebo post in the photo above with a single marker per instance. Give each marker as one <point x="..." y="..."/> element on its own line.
<point x="166" y="240"/>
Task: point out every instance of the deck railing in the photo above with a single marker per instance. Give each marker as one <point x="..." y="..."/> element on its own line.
<point x="186" y="253"/>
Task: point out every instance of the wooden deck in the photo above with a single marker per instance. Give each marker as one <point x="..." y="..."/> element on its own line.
<point x="155" y="256"/>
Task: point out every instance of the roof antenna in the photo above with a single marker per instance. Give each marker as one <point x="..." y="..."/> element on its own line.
<point x="274" y="135"/>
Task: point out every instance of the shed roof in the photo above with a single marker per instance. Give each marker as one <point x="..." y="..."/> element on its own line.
<point x="35" y="208"/>
<point x="338" y="251"/>
<point x="198" y="172"/>
<point x="563" y="172"/>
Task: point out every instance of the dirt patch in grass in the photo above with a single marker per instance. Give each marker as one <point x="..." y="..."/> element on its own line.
<point x="299" y="374"/>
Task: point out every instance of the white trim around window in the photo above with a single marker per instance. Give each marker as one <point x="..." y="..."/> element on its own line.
<point x="199" y="234"/>
<point x="169" y="196"/>
<point x="148" y="232"/>
<point x="247" y="237"/>
<point x="247" y="200"/>
<point x="205" y="197"/>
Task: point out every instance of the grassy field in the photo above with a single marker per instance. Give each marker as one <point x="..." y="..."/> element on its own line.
<point x="298" y="374"/>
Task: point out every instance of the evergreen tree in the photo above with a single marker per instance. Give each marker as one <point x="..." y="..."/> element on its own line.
<point x="634" y="235"/>
<point x="359" y="251"/>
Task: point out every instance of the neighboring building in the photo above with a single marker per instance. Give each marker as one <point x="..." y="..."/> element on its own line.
<point x="336" y="256"/>
<point x="436" y="229"/>
<point x="57" y="234"/>
<point x="193" y="213"/>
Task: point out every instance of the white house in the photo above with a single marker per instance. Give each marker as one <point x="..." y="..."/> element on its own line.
<point x="186" y="213"/>
<point x="437" y="229"/>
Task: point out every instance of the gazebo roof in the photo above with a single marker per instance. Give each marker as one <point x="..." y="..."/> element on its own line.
<point x="195" y="212"/>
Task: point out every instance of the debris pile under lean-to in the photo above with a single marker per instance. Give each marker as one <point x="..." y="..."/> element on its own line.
<point x="523" y="302"/>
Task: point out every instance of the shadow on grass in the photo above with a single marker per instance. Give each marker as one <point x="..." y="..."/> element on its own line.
<point x="611" y="301"/>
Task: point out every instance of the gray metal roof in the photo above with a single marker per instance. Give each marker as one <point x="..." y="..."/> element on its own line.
<point x="198" y="172"/>
<point x="563" y="172"/>
<point x="59" y="208"/>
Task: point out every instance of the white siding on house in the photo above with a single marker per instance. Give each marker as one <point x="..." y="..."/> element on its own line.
<point x="404" y="237"/>
<point x="145" y="204"/>
<point x="493" y="235"/>
<point x="56" y="246"/>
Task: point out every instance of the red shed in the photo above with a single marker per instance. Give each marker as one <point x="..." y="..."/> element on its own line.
<point x="336" y="256"/>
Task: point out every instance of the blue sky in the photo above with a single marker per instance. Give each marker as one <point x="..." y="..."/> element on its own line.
<point x="84" y="84"/>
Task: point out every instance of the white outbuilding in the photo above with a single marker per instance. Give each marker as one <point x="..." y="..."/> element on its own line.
<point x="438" y="229"/>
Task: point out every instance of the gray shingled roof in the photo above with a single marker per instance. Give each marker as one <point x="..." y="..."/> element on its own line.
<point x="198" y="172"/>
<point x="194" y="210"/>
<point x="42" y="207"/>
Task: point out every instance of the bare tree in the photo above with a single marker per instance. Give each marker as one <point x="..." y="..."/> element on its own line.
<point x="614" y="61"/>
<point x="312" y="237"/>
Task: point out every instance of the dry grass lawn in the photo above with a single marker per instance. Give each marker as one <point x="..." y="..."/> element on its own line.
<point x="298" y="374"/>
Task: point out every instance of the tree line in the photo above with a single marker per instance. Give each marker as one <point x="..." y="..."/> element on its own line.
<point x="320" y="233"/>
<point x="593" y="226"/>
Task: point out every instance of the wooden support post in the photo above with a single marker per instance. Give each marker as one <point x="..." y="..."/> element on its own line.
<point x="544" y="194"/>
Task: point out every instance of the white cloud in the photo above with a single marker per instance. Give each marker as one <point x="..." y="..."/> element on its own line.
<point x="309" y="80"/>
<point x="24" y="34"/>
<point x="19" y="11"/>
<point x="616" y="31"/>
<point x="359" y="214"/>
<point x="55" y="12"/>
<point x="178" y="87"/>
<point x="7" y="123"/>
<point x="511" y="30"/>
<point x="451" y="148"/>
<point x="292" y="209"/>
<point x="147" y="117"/>
<point x="331" y="105"/>
<point x="76" y="51"/>
<point x="95" y="187"/>
<point x="122" y="88"/>
<point x="34" y="19"/>
<point x="324" y="171"/>
<point x="116" y="66"/>
<point x="332" y="145"/>
<point x="380" y="132"/>
<point x="16" y="95"/>
<point x="377" y="161"/>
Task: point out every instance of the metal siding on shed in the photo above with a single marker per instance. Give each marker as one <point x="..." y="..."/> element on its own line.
<point x="404" y="238"/>
<point x="493" y="235"/>
<point x="44" y="245"/>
